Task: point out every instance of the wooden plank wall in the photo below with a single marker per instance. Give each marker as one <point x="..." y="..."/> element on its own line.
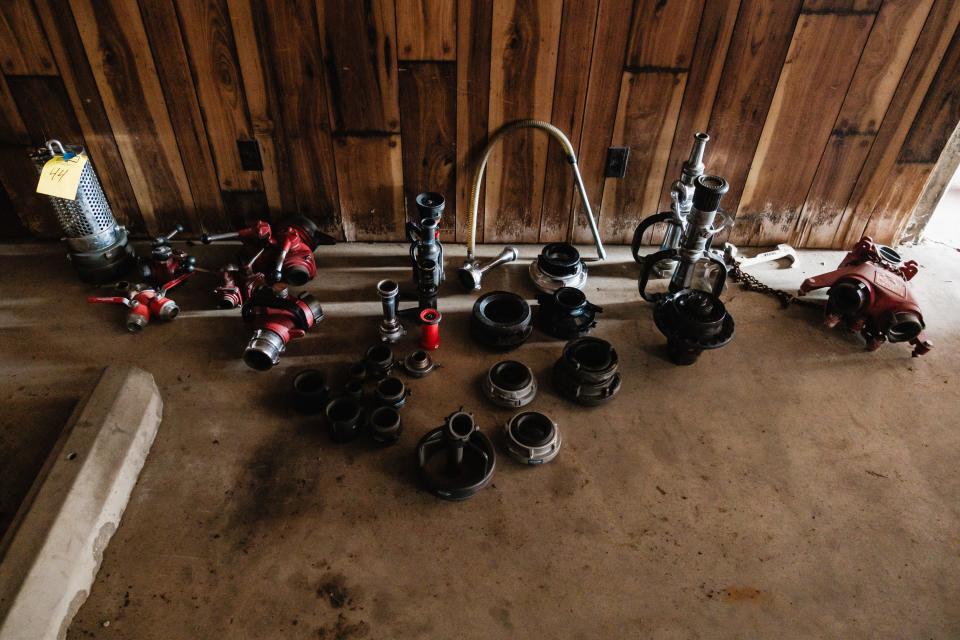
<point x="826" y="116"/>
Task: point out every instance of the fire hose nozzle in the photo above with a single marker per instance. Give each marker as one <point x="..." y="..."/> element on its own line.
<point x="391" y="328"/>
<point x="471" y="274"/>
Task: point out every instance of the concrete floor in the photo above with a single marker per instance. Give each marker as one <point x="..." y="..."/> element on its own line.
<point x="788" y="485"/>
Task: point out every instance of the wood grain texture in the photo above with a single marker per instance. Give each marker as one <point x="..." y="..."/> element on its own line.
<point x="370" y="175"/>
<point x="474" y="24"/>
<point x="939" y="112"/>
<point x="577" y="32"/>
<point x="56" y="119"/>
<point x="119" y="54"/>
<point x="23" y="45"/>
<point x="428" y="108"/>
<point x="262" y="105"/>
<point x="703" y="80"/>
<point x="755" y="57"/>
<point x="603" y="96"/>
<point x="77" y="77"/>
<point x="216" y="73"/>
<point x="19" y="179"/>
<point x="12" y="128"/>
<point x="287" y="33"/>
<point x="938" y="31"/>
<point x="523" y="67"/>
<point x="360" y="53"/>
<point x="660" y="33"/>
<point x="645" y="123"/>
<point x="900" y="193"/>
<point x="427" y="30"/>
<point x="781" y="175"/>
<point x="842" y="7"/>
<point x="173" y="70"/>
<point x="885" y="55"/>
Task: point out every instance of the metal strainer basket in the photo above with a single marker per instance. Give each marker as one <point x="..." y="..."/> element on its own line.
<point x="96" y="245"/>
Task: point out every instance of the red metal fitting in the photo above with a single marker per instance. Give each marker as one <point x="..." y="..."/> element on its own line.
<point x="145" y="304"/>
<point x="869" y="293"/>
<point x="166" y="263"/>
<point x="430" y="329"/>
<point x="278" y="318"/>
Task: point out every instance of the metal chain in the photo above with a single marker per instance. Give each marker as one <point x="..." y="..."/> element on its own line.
<point x="750" y="283"/>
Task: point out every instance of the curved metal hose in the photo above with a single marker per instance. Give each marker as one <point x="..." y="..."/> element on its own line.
<point x="571" y="158"/>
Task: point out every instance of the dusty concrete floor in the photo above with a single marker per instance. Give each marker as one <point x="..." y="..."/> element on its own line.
<point x="788" y="485"/>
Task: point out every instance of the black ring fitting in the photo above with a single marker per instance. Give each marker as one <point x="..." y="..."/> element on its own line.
<point x="385" y="425"/>
<point x="456" y="460"/>
<point x="378" y="361"/>
<point x="510" y="384"/>
<point x="310" y="391"/>
<point x="353" y="388"/>
<point x="708" y="191"/>
<point x="532" y="438"/>
<point x="501" y="320"/>
<point x="566" y="313"/>
<point x="692" y="320"/>
<point x="344" y="416"/>
<point x="587" y="371"/>
<point x="391" y="392"/>
<point x="559" y="259"/>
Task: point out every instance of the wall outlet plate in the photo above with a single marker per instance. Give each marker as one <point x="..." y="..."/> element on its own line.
<point x="250" y="159"/>
<point x="616" y="162"/>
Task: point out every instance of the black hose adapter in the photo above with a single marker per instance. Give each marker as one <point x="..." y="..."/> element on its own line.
<point x="385" y="425"/>
<point x="310" y="391"/>
<point x="587" y="372"/>
<point x="566" y="313"/>
<point x="532" y="438"/>
<point x="501" y="320"/>
<point x="692" y="320"/>
<point x="456" y="460"/>
<point x="345" y="417"/>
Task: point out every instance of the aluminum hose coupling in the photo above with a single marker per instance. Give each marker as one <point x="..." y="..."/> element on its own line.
<point x="278" y="318"/>
<point x="532" y="438"/>
<point x="510" y="384"/>
<point x="558" y="265"/>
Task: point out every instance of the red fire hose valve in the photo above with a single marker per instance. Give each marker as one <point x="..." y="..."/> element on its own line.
<point x="278" y="318"/>
<point x="430" y="329"/>
<point x="870" y="294"/>
<point x="145" y="304"/>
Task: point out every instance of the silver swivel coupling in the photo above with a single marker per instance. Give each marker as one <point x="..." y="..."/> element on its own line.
<point x="391" y="329"/>
<point x="472" y="272"/>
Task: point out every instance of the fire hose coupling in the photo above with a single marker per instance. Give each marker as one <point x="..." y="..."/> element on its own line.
<point x="144" y="303"/>
<point x="566" y="313"/>
<point x="391" y="392"/>
<point x="692" y="320"/>
<point x="456" y="460"/>
<point x="558" y="265"/>
<point x="430" y="329"/>
<point x="391" y="328"/>
<point x="278" y="318"/>
<point x="425" y="237"/>
<point x="385" y="425"/>
<point x="588" y="371"/>
<point x="501" y="320"/>
<point x="418" y="364"/>
<point x="427" y="284"/>
<point x="344" y="417"/>
<point x="378" y="361"/>
<point x="870" y="293"/>
<point x="532" y="438"/>
<point x="310" y="391"/>
<point x="510" y="384"/>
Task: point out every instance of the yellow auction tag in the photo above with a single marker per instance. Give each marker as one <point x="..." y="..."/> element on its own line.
<point x="61" y="177"/>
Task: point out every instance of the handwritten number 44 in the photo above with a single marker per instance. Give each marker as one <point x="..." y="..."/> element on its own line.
<point x="57" y="174"/>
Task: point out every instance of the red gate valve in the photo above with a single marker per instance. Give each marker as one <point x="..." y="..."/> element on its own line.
<point x="166" y="263"/>
<point x="278" y="318"/>
<point x="144" y="303"/>
<point x="870" y="293"/>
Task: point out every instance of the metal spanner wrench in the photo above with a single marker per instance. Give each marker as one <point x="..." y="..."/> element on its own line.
<point x="731" y="254"/>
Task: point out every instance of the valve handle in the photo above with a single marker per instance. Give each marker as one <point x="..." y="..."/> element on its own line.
<point x="175" y="282"/>
<point x="646" y="266"/>
<point x="646" y="223"/>
<point x="127" y="302"/>
<point x="207" y="238"/>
